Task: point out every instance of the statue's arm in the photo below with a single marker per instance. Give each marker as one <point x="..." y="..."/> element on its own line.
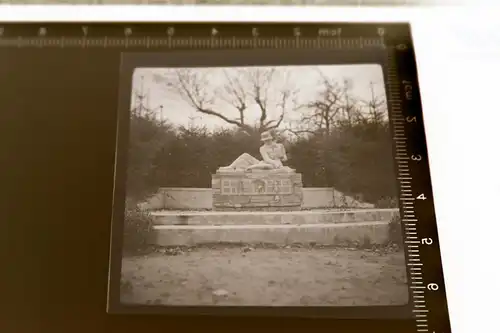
<point x="284" y="158"/>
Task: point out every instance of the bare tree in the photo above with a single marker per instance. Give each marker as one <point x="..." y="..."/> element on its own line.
<point x="332" y="106"/>
<point x="349" y="108"/>
<point x="376" y="105"/>
<point x="242" y="89"/>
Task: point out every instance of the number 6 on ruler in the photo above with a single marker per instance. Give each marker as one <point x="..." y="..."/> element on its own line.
<point x="432" y="286"/>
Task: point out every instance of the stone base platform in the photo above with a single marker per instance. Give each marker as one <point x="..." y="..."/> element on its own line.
<point x="265" y="218"/>
<point x="182" y="198"/>
<point x="375" y="232"/>
<point x="326" y="227"/>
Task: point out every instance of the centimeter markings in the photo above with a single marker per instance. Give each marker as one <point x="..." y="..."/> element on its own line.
<point x="192" y="42"/>
<point x="178" y="38"/>
<point x="409" y="219"/>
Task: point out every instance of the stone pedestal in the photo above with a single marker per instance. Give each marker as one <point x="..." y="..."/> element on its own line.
<point x="275" y="190"/>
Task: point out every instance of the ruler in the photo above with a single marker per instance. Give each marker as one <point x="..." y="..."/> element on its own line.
<point x="179" y="36"/>
<point x="423" y="259"/>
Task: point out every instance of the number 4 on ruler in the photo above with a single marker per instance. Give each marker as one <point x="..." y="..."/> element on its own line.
<point x="421" y="197"/>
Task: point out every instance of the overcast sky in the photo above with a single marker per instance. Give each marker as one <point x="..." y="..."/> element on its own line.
<point x="304" y="79"/>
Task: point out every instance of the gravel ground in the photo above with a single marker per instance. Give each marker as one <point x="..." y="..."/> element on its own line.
<point x="280" y="277"/>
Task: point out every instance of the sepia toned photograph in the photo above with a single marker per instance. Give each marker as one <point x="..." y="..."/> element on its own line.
<point x="261" y="186"/>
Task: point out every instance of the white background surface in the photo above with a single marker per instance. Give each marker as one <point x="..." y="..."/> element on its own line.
<point x="458" y="53"/>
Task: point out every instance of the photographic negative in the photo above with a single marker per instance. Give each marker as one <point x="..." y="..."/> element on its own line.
<point x="262" y="183"/>
<point x="259" y="170"/>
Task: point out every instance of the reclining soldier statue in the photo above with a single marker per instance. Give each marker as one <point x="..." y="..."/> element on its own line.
<point x="273" y="155"/>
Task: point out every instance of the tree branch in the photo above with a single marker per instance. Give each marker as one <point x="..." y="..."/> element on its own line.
<point x="300" y="132"/>
<point x="260" y="80"/>
<point x="236" y="90"/>
<point x="190" y="87"/>
<point x="240" y="88"/>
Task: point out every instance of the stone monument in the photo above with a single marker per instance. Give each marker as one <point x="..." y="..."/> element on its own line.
<point x="252" y="184"/>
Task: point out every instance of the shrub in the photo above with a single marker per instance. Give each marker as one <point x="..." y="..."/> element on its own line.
<point x="387" y="202"/>
<point x="147" y="139"/>
<point x="137" y="228"/>
<point x="395" y="231"/>
<point x="353" y="158"/>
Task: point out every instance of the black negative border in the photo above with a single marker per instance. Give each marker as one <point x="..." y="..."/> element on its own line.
<point x="226" y="58"/>
<point x="436" y="301"/>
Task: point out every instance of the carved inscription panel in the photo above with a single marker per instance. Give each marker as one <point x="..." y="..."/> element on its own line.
<point x="255" y="186"/>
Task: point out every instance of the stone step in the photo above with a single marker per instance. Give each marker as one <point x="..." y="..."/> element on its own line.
<point x="375" y="232"/>
<point x="272" y="218"/>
